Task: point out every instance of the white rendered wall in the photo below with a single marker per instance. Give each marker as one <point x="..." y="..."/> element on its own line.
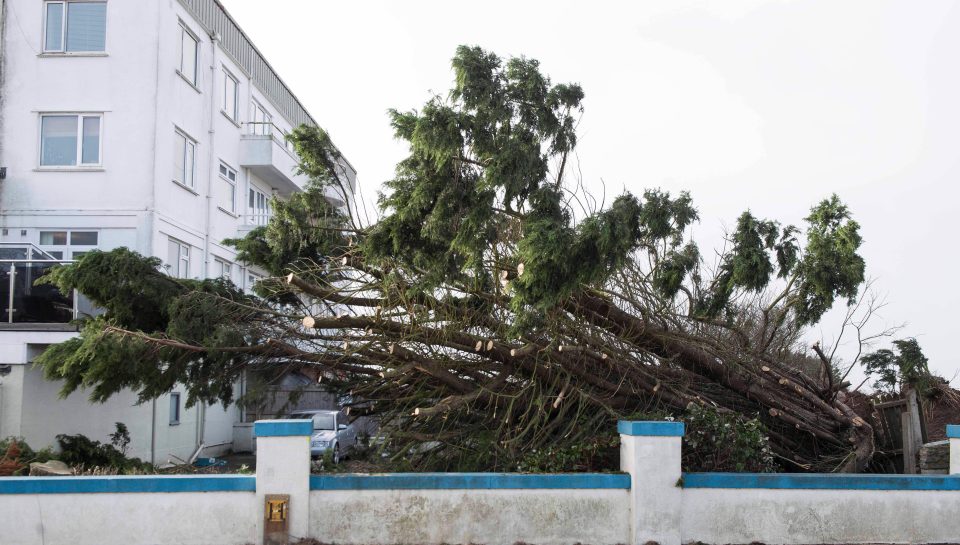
<point x="182" y="518"/>
<point x="131" y="201"/>
<point x="491" y="517"/>
<point x="793" y="516"/>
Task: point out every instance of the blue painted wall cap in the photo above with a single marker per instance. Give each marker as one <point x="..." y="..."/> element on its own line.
<point x="953" y="431"/>
<point x="650" y="428"/>
<point x="282" y="428"/>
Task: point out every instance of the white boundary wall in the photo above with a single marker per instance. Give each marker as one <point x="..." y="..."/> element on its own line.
<point x="191" y="518"/>
<point x="820" y="516"/>
<point x="542" y="517"/>
<point x="650" y="501"/>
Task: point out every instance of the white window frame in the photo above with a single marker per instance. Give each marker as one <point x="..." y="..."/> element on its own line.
<point x="79" y="164"/>
<point x="232" y="183"/>
<point x="63" y="28"/>
<point x="69" y="249"/>
<point x="189" y="142"/>
<point x="250" y="280"/>
<point x="255" y="215"/>
<point x="223" y="268"/>
<point x="175" y="408"/>
<point x="195" y="77"/>
<point x="227" y="78"/>
<point x="181" y="257"/>
<point x="262" y="126"/>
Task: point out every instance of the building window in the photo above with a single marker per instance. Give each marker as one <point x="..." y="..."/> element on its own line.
<point x="178" y="258"/>
<point x="260" y="119"/>
<point x="174" y="408"/>
<point x="228" y="179"/>
<point x="75" y="27"/>
<point x="68" y="245"/>
<point x="189" y="49"/>
<point x="184" y="159"/>
<point x="252" y="279"/>
<point x="258" y="205"/>
<point x="70" y="140"/>
<point x="223" y="269"/>
<point x="231" y="92"/>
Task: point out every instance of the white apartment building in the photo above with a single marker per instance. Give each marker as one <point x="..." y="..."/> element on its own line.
<point x="150" y="124"/>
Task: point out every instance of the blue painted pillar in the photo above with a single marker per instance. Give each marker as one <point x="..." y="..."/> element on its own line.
<point x="283" y="467"/>
<point x="953" y="434"/>
<point x="650" y="453"/>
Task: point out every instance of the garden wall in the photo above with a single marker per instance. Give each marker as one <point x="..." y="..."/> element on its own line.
<point x="650" y="501"/>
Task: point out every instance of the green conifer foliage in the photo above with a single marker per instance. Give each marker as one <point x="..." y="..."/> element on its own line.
<point x="494" y="307"/>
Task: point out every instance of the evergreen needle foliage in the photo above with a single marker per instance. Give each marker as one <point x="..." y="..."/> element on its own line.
<point x="495" y="307"/>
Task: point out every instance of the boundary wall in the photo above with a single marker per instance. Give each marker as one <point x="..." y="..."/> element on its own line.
<point x="651" y="500"/>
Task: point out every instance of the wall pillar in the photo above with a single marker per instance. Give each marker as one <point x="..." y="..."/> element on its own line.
<point x="953" y="435"/>
<point x="650" y="453"/>
<point x="283" y="467"/>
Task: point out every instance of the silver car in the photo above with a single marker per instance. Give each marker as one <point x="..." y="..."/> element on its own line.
<point x="331" y="432"/>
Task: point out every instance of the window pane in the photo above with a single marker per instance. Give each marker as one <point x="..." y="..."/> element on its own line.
<point x="83" y="238"/>
<point x="173" y="255"/>
<point x="54" y="28"/>
<point x="91" y="140"/>
<point x="175" y="408"/>
<point x="227" y="195"/>
<point x="188" y="166"/>
<point x="223" y="170"/>
<point x="229" y="95"/>
<point x="53" y="238"/>
<point x="86" y="26"/>
<point x="179" y="145"/>
<point x="58" y="135"/>
<point x="56" y="254"/>
<point x="188" y="59"/>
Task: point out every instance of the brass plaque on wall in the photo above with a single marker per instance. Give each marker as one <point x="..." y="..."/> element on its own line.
<point x="276" y="526"/>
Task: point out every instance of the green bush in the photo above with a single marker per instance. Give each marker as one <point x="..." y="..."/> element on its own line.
<point x="81" y="451"/>
<point x="712" y="442"/>
<point x="598" y="453"/>
<point x="725" y="442"/>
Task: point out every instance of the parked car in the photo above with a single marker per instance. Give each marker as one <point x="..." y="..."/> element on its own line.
<point x="331" y="432"/>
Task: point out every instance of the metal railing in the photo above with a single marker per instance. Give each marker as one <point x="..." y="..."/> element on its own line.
<point x="23" y="301"/>
<point x="257" y="219"/>
<point x="269" y="128"/>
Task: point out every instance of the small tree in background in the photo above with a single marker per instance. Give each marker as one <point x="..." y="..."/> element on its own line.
<point x="900" y="370"/>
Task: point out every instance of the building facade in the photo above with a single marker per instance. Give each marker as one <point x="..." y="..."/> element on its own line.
<point x="154" y="125"/>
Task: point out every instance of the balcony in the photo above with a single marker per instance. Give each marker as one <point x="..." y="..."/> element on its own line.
<point x="28" y="307"/>
<point x="252" y="221"/>
<point x="266" y="154"/>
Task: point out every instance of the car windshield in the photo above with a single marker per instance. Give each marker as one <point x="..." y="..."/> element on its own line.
<point x="320" y="421"/>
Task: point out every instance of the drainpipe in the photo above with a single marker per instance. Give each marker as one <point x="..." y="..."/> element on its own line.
<point x="211" y="167"/>
<point x="208" y="197"/>
<point x="153" y="432"/>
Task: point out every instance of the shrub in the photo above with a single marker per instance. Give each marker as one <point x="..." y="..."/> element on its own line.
<point x="712" y="442"/>
<point x="725" y="442"/>
<point x="80" y="450"/>
<point x="16" y="456"/>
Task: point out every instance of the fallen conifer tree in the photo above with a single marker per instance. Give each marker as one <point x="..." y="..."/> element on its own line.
<point x="495" y="307"/>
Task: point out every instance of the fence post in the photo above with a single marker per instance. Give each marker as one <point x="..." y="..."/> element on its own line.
<point x="283" y="469"/>
<point x="953" y="434"/>
<point x="650" y="453"/>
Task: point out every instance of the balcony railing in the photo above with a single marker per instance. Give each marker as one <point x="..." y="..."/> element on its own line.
<point x="25" y="303"/>
<point x="268" y="128"/>
<point x="257" y="219"/>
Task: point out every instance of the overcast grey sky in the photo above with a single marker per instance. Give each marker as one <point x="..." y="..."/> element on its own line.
<point x="768" y="105"/>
